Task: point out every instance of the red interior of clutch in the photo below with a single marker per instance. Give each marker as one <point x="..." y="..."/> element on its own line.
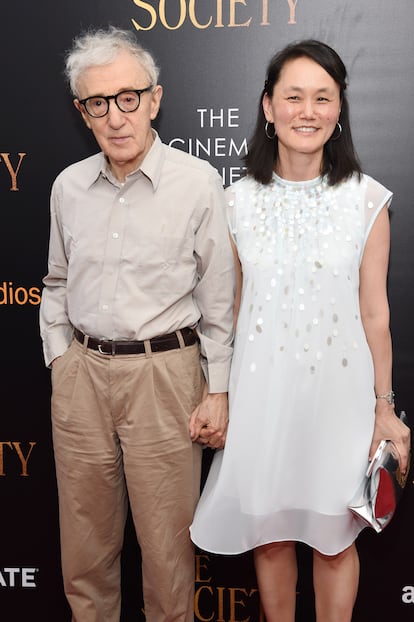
<point x="385" y="501"/>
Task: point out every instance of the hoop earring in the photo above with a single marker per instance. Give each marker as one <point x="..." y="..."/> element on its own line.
<point x="266" y="129"/>
<point x="340" y="131"/>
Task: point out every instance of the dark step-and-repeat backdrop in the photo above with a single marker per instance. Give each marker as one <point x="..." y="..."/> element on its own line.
<point x="213" y="55"/>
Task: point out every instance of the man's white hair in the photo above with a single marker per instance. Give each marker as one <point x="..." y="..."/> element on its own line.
<point x="100" y="47"/>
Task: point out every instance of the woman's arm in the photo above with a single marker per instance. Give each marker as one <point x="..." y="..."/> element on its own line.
<point x="375" y="319"/>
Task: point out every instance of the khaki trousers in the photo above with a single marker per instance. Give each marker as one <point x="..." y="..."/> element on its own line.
<point x="120" y="429"/>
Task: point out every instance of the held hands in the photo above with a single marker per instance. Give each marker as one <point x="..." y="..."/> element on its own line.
<point x="208" y="423"/>
<point x="388" y="426"/>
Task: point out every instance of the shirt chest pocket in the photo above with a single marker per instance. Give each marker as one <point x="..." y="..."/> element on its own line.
<point x="164" y="265"/>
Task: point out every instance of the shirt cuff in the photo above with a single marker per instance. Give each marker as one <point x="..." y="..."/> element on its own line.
<point x="217" y="376"/>
<point x="55" y="346"/>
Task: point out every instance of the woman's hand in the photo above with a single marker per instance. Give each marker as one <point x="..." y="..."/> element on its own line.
<point x="389" y="427"/>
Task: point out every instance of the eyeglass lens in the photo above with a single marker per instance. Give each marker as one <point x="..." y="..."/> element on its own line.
<point x="127" y="101"/>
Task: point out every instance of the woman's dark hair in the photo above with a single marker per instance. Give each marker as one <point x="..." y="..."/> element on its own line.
<point x="340" y="160"/>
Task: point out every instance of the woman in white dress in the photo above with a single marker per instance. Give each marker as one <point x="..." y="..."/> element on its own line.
<point x="311" y="384"/>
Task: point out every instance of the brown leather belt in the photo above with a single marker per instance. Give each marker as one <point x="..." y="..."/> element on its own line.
<point x="162" y="343"/>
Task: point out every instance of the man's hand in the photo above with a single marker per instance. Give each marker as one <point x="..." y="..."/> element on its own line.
<point x="208" y="423"/>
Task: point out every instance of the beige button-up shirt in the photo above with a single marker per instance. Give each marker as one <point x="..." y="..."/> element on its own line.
<point x="139" y="259"/>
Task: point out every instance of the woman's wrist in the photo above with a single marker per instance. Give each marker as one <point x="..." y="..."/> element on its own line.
<point x="382" y="408"/>
<point x="389" y="397"/>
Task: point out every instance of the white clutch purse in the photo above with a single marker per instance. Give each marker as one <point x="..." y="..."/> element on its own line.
<point x="377" y="497"/>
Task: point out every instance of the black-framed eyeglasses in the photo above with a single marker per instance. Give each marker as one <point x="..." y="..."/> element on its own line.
<point x="127" y="101"/>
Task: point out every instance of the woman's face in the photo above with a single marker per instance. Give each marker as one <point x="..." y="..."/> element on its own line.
<point x="304" y="108"/>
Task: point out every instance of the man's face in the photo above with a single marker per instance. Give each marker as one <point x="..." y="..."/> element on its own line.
<point x="124" y="137"/>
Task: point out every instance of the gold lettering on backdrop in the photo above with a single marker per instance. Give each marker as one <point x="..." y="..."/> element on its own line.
<point x="153" y="13"/>
<point x="2" y="444"/>
<point x="220" y="9"/>
<point x="220" y="603"/>
<point x="200" y="567"/>
<point x="197" y="611"/>
<point x="232" y="22"/>
<point x="16" y="445"/>
<point x="265" y="14"/>
<point x="292" y="11"/>
<point x="163" y="17"/>
<point x="13" y="172"/>
<point x="193" y="18"/>
<point x="223" y="604"/>
<point x="227" y="604"/>
<point x="24" y="459"/>
<point x="219" y="22"/>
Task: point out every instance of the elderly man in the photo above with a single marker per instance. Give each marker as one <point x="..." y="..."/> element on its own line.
<point x="137" y="299"/>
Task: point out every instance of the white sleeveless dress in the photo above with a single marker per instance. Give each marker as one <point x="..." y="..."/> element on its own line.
<point x="302" y="383"/>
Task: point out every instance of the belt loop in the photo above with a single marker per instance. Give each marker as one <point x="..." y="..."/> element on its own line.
<point x="85" y="344"/>
<point x="147" y="346"/>
<point x="180" y="338"/>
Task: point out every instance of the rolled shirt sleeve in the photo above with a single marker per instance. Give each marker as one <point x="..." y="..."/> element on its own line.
<point x="214" y="292"/>
<point x="55" y="327"/>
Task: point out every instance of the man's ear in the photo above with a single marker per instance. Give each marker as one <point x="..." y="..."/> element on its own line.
<point x="81" y="109"/>
<point x="156" y="96"/>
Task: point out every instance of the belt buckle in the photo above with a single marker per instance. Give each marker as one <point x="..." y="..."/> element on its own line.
<point x="107" y="353"/>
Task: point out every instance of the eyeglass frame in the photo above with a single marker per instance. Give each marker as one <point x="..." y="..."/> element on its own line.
<point x="108" y="98"/>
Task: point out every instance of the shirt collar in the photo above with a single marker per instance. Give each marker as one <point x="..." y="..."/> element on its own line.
<point x="150" y="167"/>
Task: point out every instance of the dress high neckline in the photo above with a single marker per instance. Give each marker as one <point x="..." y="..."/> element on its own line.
<point x="307" y="183"/>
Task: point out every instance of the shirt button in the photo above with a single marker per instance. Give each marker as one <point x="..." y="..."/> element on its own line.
<point x="115" y="235"/>
<point x="105" y="307"/>
<point x="122" y="200"/>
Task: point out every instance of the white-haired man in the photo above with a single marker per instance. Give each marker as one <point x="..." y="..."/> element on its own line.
<point x="137" y="299"/>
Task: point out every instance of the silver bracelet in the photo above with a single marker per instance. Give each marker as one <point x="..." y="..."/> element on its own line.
<point x="389" y="397"/>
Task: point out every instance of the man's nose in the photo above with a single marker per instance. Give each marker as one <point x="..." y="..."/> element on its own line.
<point x="115" y="115"/>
